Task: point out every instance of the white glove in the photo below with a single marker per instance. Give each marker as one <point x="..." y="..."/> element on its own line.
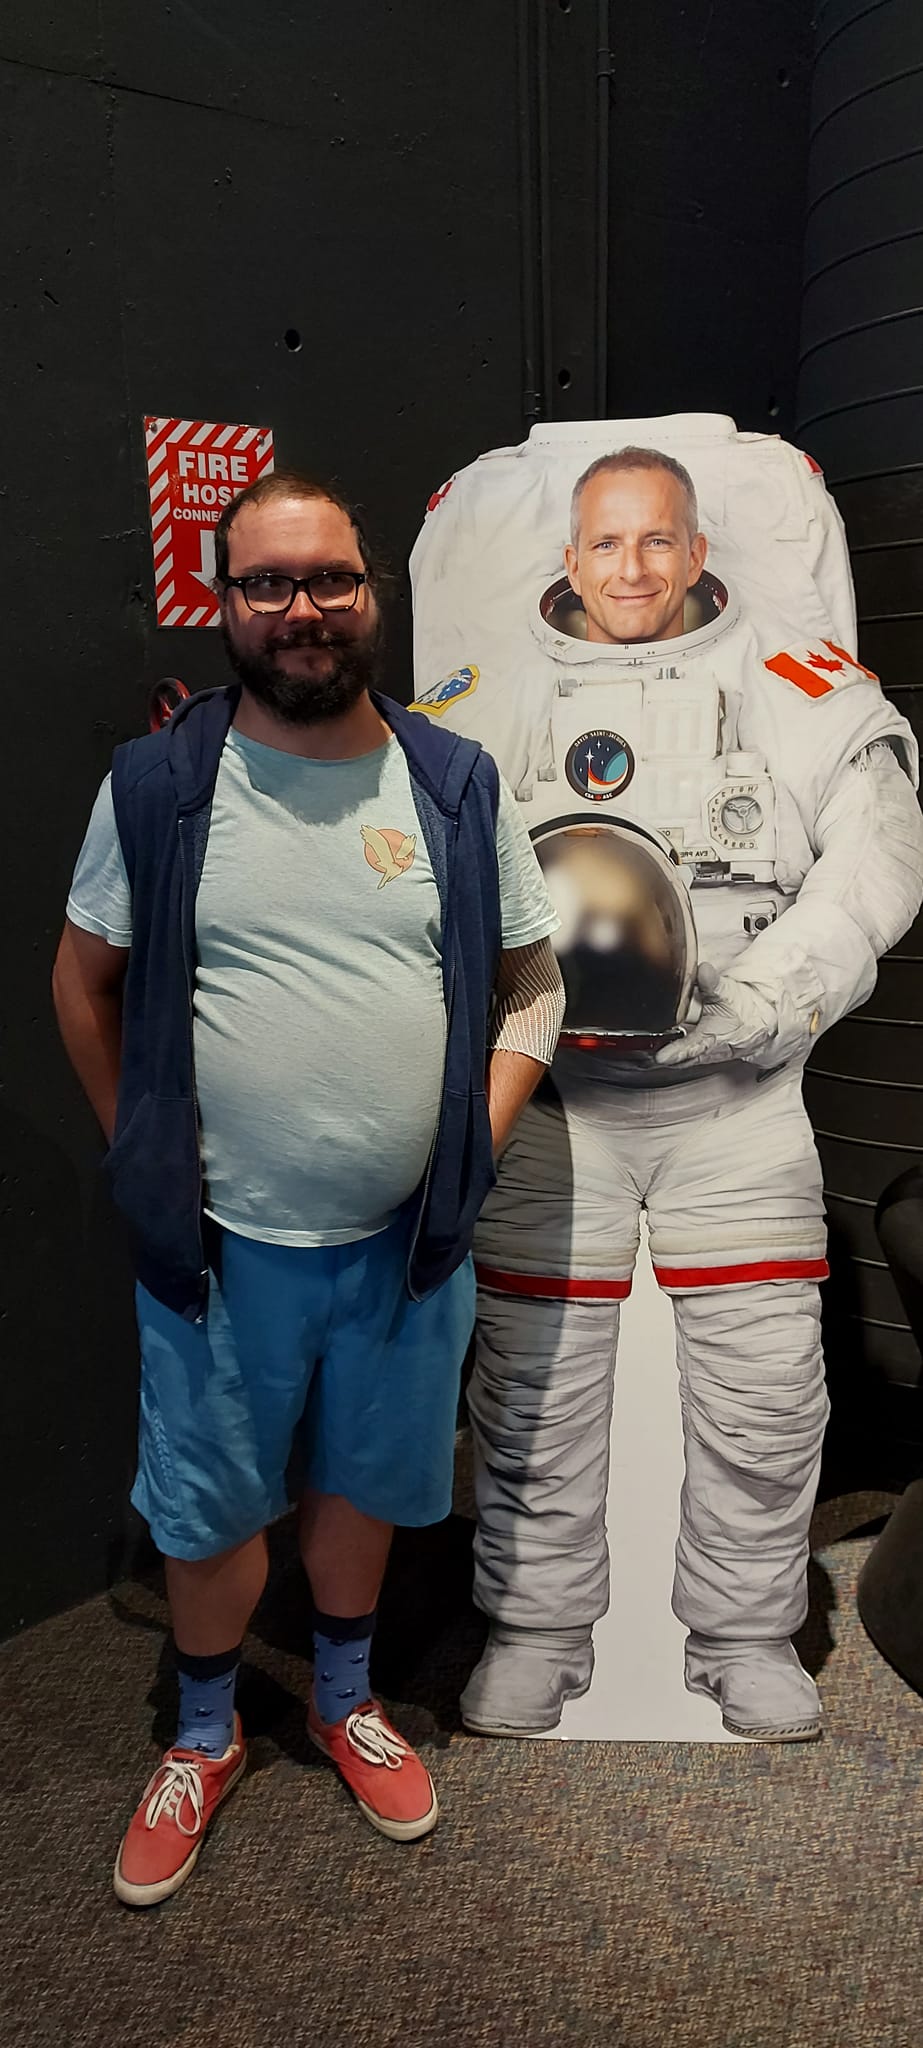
<point x="737" y="1023"/>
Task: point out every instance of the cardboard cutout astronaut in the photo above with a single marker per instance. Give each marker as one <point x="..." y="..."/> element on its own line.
<point x="723" y="801"/>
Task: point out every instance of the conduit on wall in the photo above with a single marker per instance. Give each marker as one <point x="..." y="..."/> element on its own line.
<point x="860" y="413"/>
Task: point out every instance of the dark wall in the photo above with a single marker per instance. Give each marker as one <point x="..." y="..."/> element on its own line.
<point x="861" y="404"/>
<point x="183" y="186"/>
<point x="708" y="151"/>
<point x="413" y="192"/>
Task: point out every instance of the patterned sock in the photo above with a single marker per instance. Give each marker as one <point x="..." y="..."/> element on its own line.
<point x="206" y="1701"/>
<point x="341" y="1663"/>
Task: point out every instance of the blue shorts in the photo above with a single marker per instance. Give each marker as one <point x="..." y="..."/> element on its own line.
<point x="321" y="1347"/>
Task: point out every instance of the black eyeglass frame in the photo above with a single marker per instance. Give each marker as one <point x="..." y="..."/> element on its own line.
<point x="359" y="577"/>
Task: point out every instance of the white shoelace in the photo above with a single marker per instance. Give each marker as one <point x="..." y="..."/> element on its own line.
<point x="169" y="1787"/>
<point x="373" y="1740"/>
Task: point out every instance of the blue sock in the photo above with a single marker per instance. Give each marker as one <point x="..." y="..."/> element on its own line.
<point x="341" y="1664"/>
<point x="206" y="1701"/>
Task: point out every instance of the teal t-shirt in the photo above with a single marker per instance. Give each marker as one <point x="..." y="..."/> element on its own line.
<point x="319" y="1023"/>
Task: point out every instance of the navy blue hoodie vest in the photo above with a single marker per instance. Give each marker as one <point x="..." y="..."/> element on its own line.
<point x="162" y="788"/>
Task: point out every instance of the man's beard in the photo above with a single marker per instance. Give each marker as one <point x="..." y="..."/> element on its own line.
<point x="303" y="700"/>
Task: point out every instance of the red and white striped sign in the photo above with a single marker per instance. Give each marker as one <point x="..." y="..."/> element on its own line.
<point x="194" y="469"/>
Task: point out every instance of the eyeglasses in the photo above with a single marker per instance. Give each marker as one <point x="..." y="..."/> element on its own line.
<point x="330" y="590"/>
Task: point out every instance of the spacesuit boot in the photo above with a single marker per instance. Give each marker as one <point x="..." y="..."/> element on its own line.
<point x="524" y="1678"/>
<point x="761" y="1688"/>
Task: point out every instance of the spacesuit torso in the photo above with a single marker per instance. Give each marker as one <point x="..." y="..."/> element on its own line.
<point x="686" y="738"/>
<point x="725" y="740"/>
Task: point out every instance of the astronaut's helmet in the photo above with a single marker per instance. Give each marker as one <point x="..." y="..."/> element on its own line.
<point x="626" y="945"/>
<point x="561" y="619"/>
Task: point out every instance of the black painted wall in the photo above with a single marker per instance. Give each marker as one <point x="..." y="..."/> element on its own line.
<point x="708" y="159"/>
<point x="184" y="185"/>
<point x="861" y="404"/>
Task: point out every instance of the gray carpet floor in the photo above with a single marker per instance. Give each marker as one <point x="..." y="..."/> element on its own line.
<point x="638" y="1895"/>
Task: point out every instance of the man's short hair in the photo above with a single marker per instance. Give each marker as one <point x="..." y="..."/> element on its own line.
<point x="292" y="483"/>
<point x="623" y="459"/>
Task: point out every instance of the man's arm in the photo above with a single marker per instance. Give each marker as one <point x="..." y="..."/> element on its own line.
<point x="87" y="990"/>
<point x="527" y="1019"/>
<point x="819" y="960"/>
<point x="511" y="1078"/>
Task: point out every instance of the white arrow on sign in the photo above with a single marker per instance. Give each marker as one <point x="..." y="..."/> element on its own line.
<point x="206" y="571"/>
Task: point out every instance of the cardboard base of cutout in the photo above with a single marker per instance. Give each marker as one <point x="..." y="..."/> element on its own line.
<point x="637" y="1693"/>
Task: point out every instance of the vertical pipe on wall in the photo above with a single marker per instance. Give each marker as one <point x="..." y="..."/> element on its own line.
<point x="860" y="405"/>
<point x="603" y="95"/>
<point x="544" y="200"/>
<point x="564" y="124"/>
<point x="530" y="252"/>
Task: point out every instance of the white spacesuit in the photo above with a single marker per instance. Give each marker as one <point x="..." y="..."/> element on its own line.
<point x="767" y="764"/>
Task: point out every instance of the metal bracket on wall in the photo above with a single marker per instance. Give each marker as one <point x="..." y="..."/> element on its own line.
<point x="565" y="82"/>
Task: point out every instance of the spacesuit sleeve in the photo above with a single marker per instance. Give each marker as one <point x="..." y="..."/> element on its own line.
<point x="819" y="961"/>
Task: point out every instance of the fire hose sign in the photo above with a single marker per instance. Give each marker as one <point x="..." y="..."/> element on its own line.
<point x="194" y="469"/>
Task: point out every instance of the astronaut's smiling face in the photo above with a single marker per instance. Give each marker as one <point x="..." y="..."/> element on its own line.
<point x="635" y="558"/>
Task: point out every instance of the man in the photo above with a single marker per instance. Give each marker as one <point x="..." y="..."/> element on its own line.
<point x="292" y="913"/>
<point x="709" y="1134"/>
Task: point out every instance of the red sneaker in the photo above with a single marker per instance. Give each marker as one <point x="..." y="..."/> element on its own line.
<point x="164" y="1838"/>
<point x="393" y="1788"/>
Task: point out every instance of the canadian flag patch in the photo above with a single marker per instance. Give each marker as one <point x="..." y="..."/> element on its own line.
<point x="818" y="670"/>
<point x="438" y="496"/>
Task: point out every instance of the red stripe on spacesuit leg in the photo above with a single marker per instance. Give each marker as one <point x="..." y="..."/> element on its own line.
<point x="742" y="1276"/>
<point x="545" y="1287"/>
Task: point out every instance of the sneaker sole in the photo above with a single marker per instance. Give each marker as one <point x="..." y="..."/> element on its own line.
<point x="396" y="1830"/>
<point x="474" y="1727"/>
<point x="798" y="1731"/>
<point x="770" y="1731"/>
<point x="152" y="1894"/>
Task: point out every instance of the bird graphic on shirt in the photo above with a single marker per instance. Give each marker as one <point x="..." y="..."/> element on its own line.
<point x="390" y="853"/>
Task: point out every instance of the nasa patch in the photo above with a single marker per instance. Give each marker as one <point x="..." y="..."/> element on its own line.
<point x="599" y="766"/>
<point x="461" y="683"/>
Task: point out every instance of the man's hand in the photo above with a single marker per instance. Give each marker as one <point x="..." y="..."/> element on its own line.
<point x="524" y="1031"/>
<point x="511" y="1078"/>
<point x="737" y="1023"/>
